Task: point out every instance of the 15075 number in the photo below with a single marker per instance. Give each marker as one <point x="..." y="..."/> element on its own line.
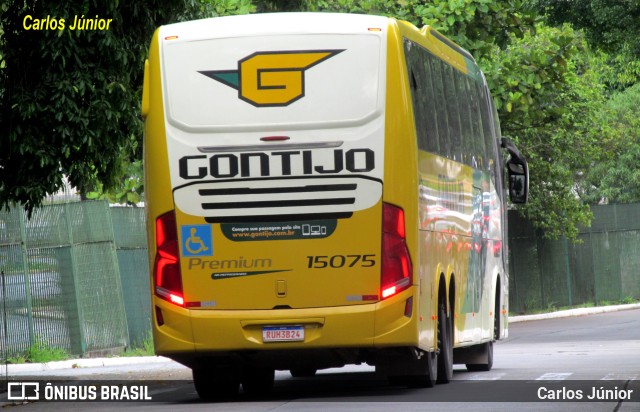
<point x="340" y="261"/>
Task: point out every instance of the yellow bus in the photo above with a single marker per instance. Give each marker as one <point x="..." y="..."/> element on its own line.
<point x="323" y="190"/>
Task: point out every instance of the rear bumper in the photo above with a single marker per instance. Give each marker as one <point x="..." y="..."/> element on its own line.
<point x="334" y="336"/>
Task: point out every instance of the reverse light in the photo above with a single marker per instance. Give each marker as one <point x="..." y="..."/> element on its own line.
<point x="166" y="269"/>
<point x="389" y="292"/>
<point x="397" y="268"/>
<point x="178" y="300"/>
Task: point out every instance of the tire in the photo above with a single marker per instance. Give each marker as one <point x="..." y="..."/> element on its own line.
<point x="429" y="362"/>
<point x="445" y="344"/>
<point x="215" y="384"/>
<point x="413" y="368"/>
<point x="483" y="367"/>
<point x="303" y="372"/>
<point x="488" y="346"/>
<point x="258" y="381"/>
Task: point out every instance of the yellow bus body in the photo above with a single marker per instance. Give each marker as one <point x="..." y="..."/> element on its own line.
<point x="320" y="275"/>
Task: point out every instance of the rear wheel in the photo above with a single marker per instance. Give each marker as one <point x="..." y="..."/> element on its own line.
<point x="214" y="384"/>
<point x="303" y="372"/>
<point x="258" y="381"/>
<point x="429" y="366"/>
<point x="418" y="372"/>
<point x="483" y="367"/>
<point x="487" y="347"/>
<point x="445" y="345"/>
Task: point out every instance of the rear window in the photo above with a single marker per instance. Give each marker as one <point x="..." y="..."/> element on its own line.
<point x="275" y="82"/>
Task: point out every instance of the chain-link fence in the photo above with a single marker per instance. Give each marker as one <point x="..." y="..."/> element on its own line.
<point x="62" y="278"/>
<point x="131" y="244"/>
<point x="75" y="276"/>
<point x="603" y="266"/>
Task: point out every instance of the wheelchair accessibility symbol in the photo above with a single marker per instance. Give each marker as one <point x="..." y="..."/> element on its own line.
<point x="197" y="240"/>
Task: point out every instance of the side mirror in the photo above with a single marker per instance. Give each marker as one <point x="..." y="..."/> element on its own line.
<point x="517" y="172"/>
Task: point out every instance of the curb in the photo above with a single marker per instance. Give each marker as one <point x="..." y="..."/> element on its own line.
<point x="81" y="363"/>
<point x="573" y="312"/>
<point x="125" y="361"/>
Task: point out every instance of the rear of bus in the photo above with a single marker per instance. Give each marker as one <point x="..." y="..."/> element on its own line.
<point x="271" y="244"/>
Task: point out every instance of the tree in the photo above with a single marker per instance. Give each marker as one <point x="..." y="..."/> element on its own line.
<point x="129" y="192"/>
<point x="268" y="6"/>
<point x="477" y="25"/>
<point x="611" y="26"/>
<point x="71" y="98"/>
<point x="548" y="93"/>
<point x="615" y="177"/>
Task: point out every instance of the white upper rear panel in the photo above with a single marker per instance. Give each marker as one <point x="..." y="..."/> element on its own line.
<point x="239" y="73"/>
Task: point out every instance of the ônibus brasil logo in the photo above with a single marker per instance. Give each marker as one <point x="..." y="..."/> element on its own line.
<point x="268" y="79"/>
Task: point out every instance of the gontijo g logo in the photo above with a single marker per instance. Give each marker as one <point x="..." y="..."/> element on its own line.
<point x="267" y="79"/>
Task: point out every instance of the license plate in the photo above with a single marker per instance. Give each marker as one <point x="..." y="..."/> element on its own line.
<point x="283" y="334"/>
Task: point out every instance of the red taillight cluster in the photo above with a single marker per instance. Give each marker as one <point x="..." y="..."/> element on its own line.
<point x="397" y="269"/>
<point x="166" y="269"/>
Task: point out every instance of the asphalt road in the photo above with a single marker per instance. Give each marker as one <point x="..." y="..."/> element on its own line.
<point x="546" y="358"/>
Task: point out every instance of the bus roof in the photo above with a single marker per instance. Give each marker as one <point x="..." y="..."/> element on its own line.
<point x="275" y="24"/>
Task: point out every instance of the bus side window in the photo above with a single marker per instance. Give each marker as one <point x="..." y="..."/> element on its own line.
<point x="489" y="136"/>
<point x="431" y="112"/>
<point x="482" y="148"/>
<point x="469" y="139"/>
<point x="452" y="106"/>
<point x="422" y="97"/>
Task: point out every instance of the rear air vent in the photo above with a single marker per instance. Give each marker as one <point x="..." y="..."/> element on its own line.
<point x="224" y="200"/>
<point x="269" y="190"/>
<point x="279" y="203"/>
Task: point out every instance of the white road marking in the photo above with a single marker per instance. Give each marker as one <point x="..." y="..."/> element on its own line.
<point x="553" y="376"/>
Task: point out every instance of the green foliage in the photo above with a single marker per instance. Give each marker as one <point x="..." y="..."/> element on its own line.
<point x="39" y="352"/>
<point x="477" y="25"/>
<point x="615" y="176"/>
<point x="547" y="93"/>
<point x="214" y="8"/>
<point x="610" y="25"/>
<point x="618" y="181"/>
<point x="269" y="6"/>
<point x="17" y="359"/>
<point x="619" y="71"/>
<point x="146" y="348"/>
<point x="70" y="100"/>
<point x="613" y="27"/>
<point x="129" y="191"/>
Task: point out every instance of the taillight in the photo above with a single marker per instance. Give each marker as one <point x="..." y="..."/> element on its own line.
<point x="396" y="262"/>
<point x="166" y="269"/>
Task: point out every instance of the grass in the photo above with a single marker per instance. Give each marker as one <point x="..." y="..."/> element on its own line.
<point x="39" y="352"/>
<point x="144" y="349"/>
<point x="551" y="307"/>
<point x="16" y="267"/>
